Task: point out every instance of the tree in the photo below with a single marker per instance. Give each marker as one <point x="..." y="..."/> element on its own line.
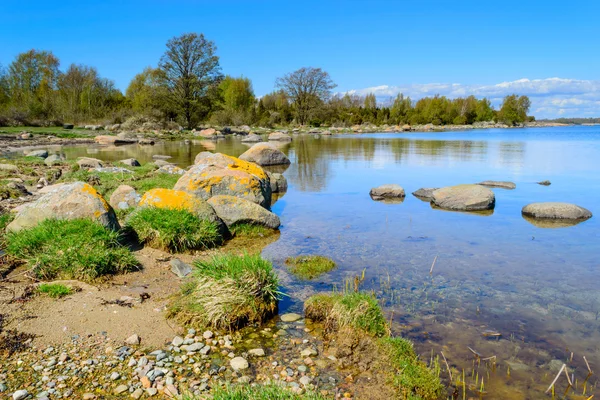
<point x="370" y="102"/>
<point x="514" y="109"/>
<point x="4" y="90"/>
<point x="235" y="100"/>
<point x="401" y="109"/>
<point x="147" y="93"/>
<point x="32" y="80"/>
<point x="191" y="69"/>
<point x="308" y="88"/>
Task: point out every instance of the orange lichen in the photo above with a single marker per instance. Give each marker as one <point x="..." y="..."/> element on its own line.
<point x="169" y="198"/>
<point x="93" y="192"/>
<point x="248" y="167"/>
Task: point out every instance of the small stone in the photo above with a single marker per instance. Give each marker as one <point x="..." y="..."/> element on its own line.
<point x="20" y="394"/>
<point x="177" y="341"/>
<point x="309" y="351"/>
<point x="180" y="269"/>
<point x="89" y="396"/>
<point x="257" y="352"/>
<point x="302" y="368"/>
<point x="152" y="391"/>
<point x="305" y="380"/>
<point x="121" y="389"/>
<point x="171" y="391"/>
<point x="207" y="335"/>
<point x="239" y="363"/>
<point x="133" y="340"/>
<point x="205" y="350"/>
<point x="145" y="381"/>
<point x="114" y="376"/>
<point x="137" y="393"/>
<point x="290" y="317"/>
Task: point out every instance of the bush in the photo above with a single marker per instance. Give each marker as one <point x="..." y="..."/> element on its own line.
<point x="55" y="290"/>
<point x="75" y="249"/>
<point x="173" y="230"/>
<point x="354" y="310"/>
<point x="309" y="267"/>
<point x="228" y="292"/>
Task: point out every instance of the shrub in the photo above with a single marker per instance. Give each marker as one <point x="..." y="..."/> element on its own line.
<point x="228" y="292"/>
<point x="173" y="230"/>
<point x="355" y="310"/>
<point x="70" y="249"/>
<point x="310" y="267"/>
<point x="55" y="290"/>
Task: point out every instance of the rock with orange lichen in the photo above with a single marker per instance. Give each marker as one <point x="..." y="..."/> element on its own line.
<point x="66" y="201"/>
<point x="176" y="199"/>
<point x="234" y="210"/>
<point x="217" y="174"/>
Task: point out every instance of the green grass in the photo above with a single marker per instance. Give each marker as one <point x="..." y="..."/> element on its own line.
<point x="261" y="392"/>
<point x="249" y="230"/>
<point x="310" y="267"/>
<point x="142" y="179"/>
<point x="228" y="292"/>
<point x="173" y="230"/>
<point x="57" y="131"/>
<point x="410" y="375"/>
<point x="355" y="310"/>
<point x="55" y="290"/>
<point x="5" y="219"/>
<point x="76" y="249"/>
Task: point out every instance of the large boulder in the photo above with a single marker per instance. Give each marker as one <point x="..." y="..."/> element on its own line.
<point x="554" y="210"/>
<point x="278" y="182"/>
<point x="252" y="138"/>
<point x="234" y="210"/>
<point x="218" y="174"/>
<point x="124" y="197"/>
<point x="265" y="154"/>
<point x="66" y="201"/>
<point x="390" y="191"/>
<point x="498" y="184"/>
<point x="280" y="136"/>
<point x="176" y="199"/>
<point x="424" y="193"/>
<point x="88" y="162"/>
<point x="464" y="198"/>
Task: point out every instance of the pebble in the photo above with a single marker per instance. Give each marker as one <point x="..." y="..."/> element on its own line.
<point x="114" y="376"/>
<point x="152" y="391"/>
<point x="177" y="341"/>
<point x="133" y="340"/>
<point x="305" y="380"/>
<point x="257" y="352"/>
<point x="120" y="389"/>
<point x="238" y="363"/>
<point x="20" y="394"/>
<point x="309" y="351"/>
<point x="290" y="317"/>
<point x="207" y="335"/>
<point x="137" y="393"/>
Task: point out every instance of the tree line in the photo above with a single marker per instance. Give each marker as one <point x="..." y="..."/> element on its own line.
<point x="187" y="86"/>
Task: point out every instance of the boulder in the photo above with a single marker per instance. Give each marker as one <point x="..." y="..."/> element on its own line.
<point x="280" y="136"/>
<point x="170" y="169"/>
<point x="176" y="199"/>
<point x="218" y="174"/>
<point x="66" y="201"/>
<point x="265" y="154"/>
<point x="38" y="153"/>
<point x="554" y="210"/>
<point x="464" y="198"/>
<point x="391" y="191"/>
<point x="278" y="182"/>
<point x="132" y="162"/>
<point x="124" y="197"/>
<point x="425" y="193"/>
<point x="53" y="159"/>
<point x="106" y="139"/>
<point x="234" y="210"/>
<point x="88" y="162"/>
<point x="498" y="184"/>
<point x="252" y="138"/>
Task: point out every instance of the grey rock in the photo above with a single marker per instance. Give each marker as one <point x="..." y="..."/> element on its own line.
<point x="265" y="154"/>
<point x="177" y="341"/>
<point x="280" y="136"/>
<point x="305" y="380"/>
<point x="425" y="193"/>
<point x="132" y="162"/>
<point x="38" y="153"/>
<point x="180" y="268"/>
<point x="133" y="340"/>
<point x="555" y="210"/>
<point x="205" y="350"/>
<point x="252" y="138"/>
<point x="387" y="192"/>
<point x="20" y="394"/>
<point x="124" y="197"/>
<point x="308" y="352"/>
<point x="113" y="170"/>
<point x="464" y="198"/>
<point x="239" y="364"/>
<point x="257" y="352"/>
<point x="234" y="210"/>
<point x="207" y="334"/>
<point x="114" y="376"/>
<point x="53" y="159"/>
<point x="88" y="162"/>
<point x="170" y="169"/>
<point x="194" y="347"/>
<point x="498" y="184"/>
<point x="9" y="167"/>
<point x="278" y="182"/>
<point x="161" y="163"/>
<point x="121" y="389"/>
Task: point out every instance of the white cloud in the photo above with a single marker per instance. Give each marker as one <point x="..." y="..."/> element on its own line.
<point x="550" y="97"/>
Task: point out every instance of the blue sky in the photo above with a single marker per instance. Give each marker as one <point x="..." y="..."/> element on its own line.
<point x="364" y="45"/>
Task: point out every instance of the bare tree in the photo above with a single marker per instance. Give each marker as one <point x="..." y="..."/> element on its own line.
<point x="191" y="69"/>
<point x="308" y="88"/>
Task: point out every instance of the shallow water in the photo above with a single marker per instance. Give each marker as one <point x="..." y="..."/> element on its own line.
<point x="495" y="274"/>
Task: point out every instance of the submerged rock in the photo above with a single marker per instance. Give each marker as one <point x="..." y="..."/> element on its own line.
<point x="424" y="193"/>
<point x="391" y="191"/>
<point x="124" y="197"/>
<point x="265" y="154"/>
<point x="66" y="201"/>
<point x="234" y="210"/>
<point x="290" y="317"/>
<point x="498" y="184"/>
<point x="555" y="210"/>
<point x="464" y="198"/>
<point x="218" y="174"/>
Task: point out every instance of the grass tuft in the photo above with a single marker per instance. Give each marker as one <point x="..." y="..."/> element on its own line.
<point x="70" y="249"/>
<point x="55" y="290"/>
<point x="355" y="310"/>
<point x="259" y="392"/>
<point x="173" y="230"/>
<point x="250" y="230"/>
<point x="310" y="267"/>
<point x="228" y="292"/>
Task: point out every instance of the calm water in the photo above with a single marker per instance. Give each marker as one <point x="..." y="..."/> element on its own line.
<point x="536" y="287"/>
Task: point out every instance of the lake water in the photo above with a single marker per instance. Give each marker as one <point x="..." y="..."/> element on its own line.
<point x="501" y="286"/>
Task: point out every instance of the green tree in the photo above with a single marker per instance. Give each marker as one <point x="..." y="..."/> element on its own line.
<point x="401" y="109"/>
<point x="370" y="102"/>
<point x="4" y="89"/>
<point x="484" y="111"/>
<point x="32" y="80"/>
<point x="514" y="109"/>
<point x="148" y="95"/>
<point x="236" y="100"/>
<point x="308" y="88"/>
<point x="191" y="73"/>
